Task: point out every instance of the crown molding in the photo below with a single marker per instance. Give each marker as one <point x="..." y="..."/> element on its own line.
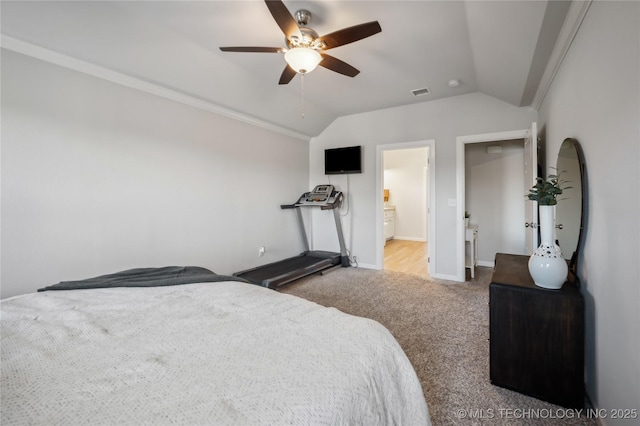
<point x="575" y="16"/>
<point x="122" y="79"/>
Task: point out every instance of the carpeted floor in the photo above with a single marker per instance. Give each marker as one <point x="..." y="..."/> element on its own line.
<point x="444" y="329"/>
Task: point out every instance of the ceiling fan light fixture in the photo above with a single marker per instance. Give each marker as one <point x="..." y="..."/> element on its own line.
<point x="302" y="59"/>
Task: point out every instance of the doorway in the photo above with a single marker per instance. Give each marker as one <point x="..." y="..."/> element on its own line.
<point x="405" y="188"/>
<point x="529" y="136"/>
<point x="494" y="198"/>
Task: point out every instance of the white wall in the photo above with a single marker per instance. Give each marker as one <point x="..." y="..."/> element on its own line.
<point x="494" y="191"/>
<point x="442" y="120"/>
<point x="595" y="98"/>
<point x="405" y="177"/>
<point x="97" y="178"/>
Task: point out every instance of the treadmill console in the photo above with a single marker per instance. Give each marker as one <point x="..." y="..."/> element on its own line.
<point x="323" y="196"/>
<point x="319" y="194"/>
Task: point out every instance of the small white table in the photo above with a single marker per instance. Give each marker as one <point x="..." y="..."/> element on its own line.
<point x="471" y="261"/>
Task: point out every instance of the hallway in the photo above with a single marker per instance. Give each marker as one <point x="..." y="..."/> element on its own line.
<point x="406" y="256"/>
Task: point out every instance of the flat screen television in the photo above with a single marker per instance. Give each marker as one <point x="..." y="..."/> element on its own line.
<point x="340" y="161"/>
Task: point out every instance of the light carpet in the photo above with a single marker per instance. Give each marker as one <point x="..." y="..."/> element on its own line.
<point x="443" y="327"/>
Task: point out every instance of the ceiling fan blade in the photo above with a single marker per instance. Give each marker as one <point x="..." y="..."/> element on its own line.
<point x="287" y="75"/>
<point x="283" y="18"/>
<point x="335" y="64"/>
<point x="351" y="34"/>
<point x="253" y="49"/>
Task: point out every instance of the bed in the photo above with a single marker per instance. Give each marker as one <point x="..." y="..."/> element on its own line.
<point x="219" y="352"/>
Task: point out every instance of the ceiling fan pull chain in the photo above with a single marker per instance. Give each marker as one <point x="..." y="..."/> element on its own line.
<point x="302" y="95"/>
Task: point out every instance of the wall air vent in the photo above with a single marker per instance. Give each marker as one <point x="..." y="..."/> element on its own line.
<point x="420" y="92"/>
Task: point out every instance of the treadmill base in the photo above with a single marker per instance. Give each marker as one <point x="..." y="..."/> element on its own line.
<point x="276" y="274"/>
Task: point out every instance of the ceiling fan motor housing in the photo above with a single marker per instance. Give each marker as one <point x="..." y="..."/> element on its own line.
<point x="308" y="37"/>
<point x="303" y="17"/>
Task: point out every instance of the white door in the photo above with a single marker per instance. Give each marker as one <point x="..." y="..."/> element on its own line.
<point x="530" y="174"/>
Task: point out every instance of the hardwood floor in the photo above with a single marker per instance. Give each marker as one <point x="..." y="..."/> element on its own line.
<point x="406" y="256"/>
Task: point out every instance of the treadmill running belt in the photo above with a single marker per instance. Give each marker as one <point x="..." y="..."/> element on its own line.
<point x="284" y="271"/>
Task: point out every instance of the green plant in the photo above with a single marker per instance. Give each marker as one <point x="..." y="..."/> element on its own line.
<point x="546" y="192"/>
<point x="466" y="215"/>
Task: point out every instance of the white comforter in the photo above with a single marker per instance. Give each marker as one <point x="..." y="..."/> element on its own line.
<point x="199" y="354"/>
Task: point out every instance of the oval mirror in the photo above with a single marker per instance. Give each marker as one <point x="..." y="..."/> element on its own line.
<point x="569" y="210"/>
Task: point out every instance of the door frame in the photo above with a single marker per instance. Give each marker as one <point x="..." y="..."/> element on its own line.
<point x="461" y="141"/>
<point x="431" y="200"/>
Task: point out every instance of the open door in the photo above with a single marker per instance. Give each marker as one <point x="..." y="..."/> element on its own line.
<point x="530" y="174"/>
<point x="530" y="137"/>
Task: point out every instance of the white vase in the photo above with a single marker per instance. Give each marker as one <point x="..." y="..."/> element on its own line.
<point x="547" y="266"/>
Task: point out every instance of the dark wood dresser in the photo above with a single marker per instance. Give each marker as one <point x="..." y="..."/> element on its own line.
<point x="536" y="335"/>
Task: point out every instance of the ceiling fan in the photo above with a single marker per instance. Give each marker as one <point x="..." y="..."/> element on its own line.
<point x="305" y="49"/>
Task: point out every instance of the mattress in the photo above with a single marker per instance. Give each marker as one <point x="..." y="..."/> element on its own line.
<point x="224" y="353"/>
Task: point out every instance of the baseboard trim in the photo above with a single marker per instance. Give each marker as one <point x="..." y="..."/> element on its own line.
<point x="421" y="240"/>
<point x="445" y="277"/>
<point x="367" y="266"/>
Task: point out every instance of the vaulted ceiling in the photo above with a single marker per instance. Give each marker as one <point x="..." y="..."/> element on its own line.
<point x="499" y="48"/>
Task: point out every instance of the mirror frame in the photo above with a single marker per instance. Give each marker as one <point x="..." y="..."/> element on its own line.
<point x="573" y="262"/>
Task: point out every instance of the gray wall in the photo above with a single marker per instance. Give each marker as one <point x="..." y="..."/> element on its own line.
<point x="595" y="98"/>
<point x="98" y="178"/>
<point x="442" y="120"/>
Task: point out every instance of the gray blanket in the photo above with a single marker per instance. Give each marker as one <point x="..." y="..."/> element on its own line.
<point x="146" y="277"/>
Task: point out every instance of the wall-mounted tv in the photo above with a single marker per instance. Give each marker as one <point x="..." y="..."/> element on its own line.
<point x="339" y="161"/>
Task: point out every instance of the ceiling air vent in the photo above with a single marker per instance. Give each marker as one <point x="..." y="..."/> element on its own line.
<point x="420" y="92"/>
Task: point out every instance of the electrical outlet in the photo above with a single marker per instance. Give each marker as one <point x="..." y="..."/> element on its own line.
<point x="261" y="251"/>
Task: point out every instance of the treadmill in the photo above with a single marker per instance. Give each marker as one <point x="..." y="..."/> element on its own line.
<point x="276" y="274"/>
